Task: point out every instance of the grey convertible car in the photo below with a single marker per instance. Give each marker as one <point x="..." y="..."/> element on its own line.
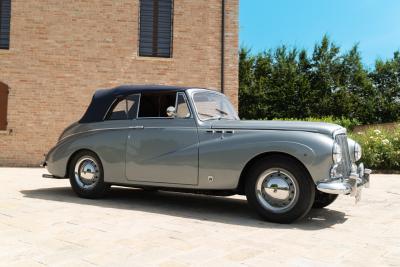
<point x="192" y="140"/>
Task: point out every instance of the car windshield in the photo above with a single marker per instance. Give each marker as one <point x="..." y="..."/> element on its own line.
<point x="213" y="106"/>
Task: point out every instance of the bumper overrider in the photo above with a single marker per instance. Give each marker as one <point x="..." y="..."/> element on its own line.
<point x="358" y="178"/>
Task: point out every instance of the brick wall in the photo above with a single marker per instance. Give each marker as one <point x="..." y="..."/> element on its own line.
<point x="62" y="51"/>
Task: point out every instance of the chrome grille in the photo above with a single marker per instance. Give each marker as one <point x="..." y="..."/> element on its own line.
<point x="344" y="166"/>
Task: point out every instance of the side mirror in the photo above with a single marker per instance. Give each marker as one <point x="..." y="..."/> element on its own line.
<point x="171" y="112"/>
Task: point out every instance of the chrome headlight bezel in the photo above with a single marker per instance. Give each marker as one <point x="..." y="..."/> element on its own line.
<point x="357" y="151"/>
<point x="336" y="153"/>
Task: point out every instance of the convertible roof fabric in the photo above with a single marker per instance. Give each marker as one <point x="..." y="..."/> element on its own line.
<point x="103" y="99"/>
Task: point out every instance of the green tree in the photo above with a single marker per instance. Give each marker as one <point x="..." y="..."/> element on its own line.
<point x="386" y="79"/>
<point x="288" y="83"/>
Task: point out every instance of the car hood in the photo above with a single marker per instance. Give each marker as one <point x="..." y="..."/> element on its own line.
<point x="317" y="127"/>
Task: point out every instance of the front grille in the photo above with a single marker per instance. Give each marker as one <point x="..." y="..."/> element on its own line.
<point x="344" y="167"/>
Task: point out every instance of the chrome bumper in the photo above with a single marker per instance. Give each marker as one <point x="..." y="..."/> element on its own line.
<point x="352" y="186"/>
<point x="50" y="176"/>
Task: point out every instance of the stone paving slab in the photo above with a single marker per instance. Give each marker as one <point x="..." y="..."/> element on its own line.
<point x="42" y="223"/>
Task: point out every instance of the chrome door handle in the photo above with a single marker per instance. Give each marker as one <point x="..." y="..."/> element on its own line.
<point x="220" y="131"/>
<point x="137" y="127"/>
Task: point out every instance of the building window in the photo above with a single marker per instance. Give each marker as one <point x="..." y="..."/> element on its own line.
<point x="5" y="15"/>
<point x="3" y="106"/>
<point x="155" y="28"/>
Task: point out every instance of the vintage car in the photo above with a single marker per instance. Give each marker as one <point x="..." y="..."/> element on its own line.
<point x="192" y="140"/>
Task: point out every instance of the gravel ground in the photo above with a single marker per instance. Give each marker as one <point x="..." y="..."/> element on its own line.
<point x="42" y="223"/>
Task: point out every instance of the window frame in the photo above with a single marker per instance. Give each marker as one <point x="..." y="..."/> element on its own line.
<point x="156" y="55"/>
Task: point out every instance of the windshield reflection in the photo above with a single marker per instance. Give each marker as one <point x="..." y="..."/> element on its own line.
<point x="213" y="106"/>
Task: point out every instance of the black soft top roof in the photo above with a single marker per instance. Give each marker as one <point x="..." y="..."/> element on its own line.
<point x="102" y="99"/>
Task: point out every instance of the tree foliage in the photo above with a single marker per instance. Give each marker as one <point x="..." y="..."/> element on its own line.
<point x="290" y="83"/>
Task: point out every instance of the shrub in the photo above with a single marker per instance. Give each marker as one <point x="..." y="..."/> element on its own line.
<point x="381" y="148"/>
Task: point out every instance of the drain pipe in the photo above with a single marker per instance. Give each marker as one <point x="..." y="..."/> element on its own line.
<point x="223" y="47"/>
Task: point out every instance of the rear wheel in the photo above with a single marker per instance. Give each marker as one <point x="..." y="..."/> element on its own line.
<point x="86" y="175"/>
<point x="280" y="189"/>
<point x="323" y="199"/>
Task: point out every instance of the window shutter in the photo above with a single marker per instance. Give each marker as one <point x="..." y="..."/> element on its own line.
<point x="155" y="28"/>
<point x="5" y="15"/>
<point x="3" y="106"/>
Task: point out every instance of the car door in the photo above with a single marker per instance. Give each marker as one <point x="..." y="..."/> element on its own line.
<point x="108" y="138"/>
<point x="162" y="149"/>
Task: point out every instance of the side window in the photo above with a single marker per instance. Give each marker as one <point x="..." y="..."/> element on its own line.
<point x="182" y="108"/>
<point x="119" y="111"/>
<point x="154" y="105"/>
<point x="124" y="109"/>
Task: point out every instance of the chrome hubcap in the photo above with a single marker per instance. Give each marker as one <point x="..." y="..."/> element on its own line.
<point x="87" y="172"/>
<point x="277" y="190"/>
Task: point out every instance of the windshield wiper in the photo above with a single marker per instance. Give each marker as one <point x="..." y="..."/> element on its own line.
<point x="205" y="114"/>
<point x="211" y="117"/>
<point x="221" y="111"/>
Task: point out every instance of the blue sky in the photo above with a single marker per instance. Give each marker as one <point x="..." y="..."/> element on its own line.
<point x="374" y="24"/>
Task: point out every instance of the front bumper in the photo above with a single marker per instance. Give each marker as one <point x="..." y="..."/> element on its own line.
<point x="359" y="178"/>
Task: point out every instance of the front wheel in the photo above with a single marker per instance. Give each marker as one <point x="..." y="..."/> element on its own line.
<point x="280" y="189"/>
<point x="86" y="175"/>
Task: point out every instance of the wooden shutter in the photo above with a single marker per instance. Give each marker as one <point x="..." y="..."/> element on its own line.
<point x="3" y="105"/>
<point x="155" y="28"/>
<point x="5" y="15"/>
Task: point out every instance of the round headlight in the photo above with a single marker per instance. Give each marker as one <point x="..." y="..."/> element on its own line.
<point x="336" y="153"/>
<point x="357" y="151"/>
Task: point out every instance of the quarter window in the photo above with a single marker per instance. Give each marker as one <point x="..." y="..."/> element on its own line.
<point x="155" y="28"/>
<point x="182" y="108"/>
<point x="5" y="16"/>
<point x="124" y="109"/>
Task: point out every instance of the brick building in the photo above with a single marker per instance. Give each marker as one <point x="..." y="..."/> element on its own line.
<point x="55" y="54"/>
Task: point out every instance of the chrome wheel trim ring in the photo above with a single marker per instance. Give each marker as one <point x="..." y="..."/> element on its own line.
<point x="277" y="190"/>
<point x="86" y="172"/>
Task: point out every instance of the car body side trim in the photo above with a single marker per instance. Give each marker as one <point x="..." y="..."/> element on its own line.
<point x="105" y="129"/>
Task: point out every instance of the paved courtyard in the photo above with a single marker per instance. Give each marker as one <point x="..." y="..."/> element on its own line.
<point x="42" y="223"/>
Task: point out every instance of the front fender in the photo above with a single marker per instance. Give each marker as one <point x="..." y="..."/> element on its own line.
<point x="225" y="158"/>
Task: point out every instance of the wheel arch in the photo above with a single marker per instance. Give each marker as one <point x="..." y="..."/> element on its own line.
<point x="264" y="156"/>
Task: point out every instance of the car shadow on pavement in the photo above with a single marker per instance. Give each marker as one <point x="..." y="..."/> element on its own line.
<point x="201" y="207"/>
